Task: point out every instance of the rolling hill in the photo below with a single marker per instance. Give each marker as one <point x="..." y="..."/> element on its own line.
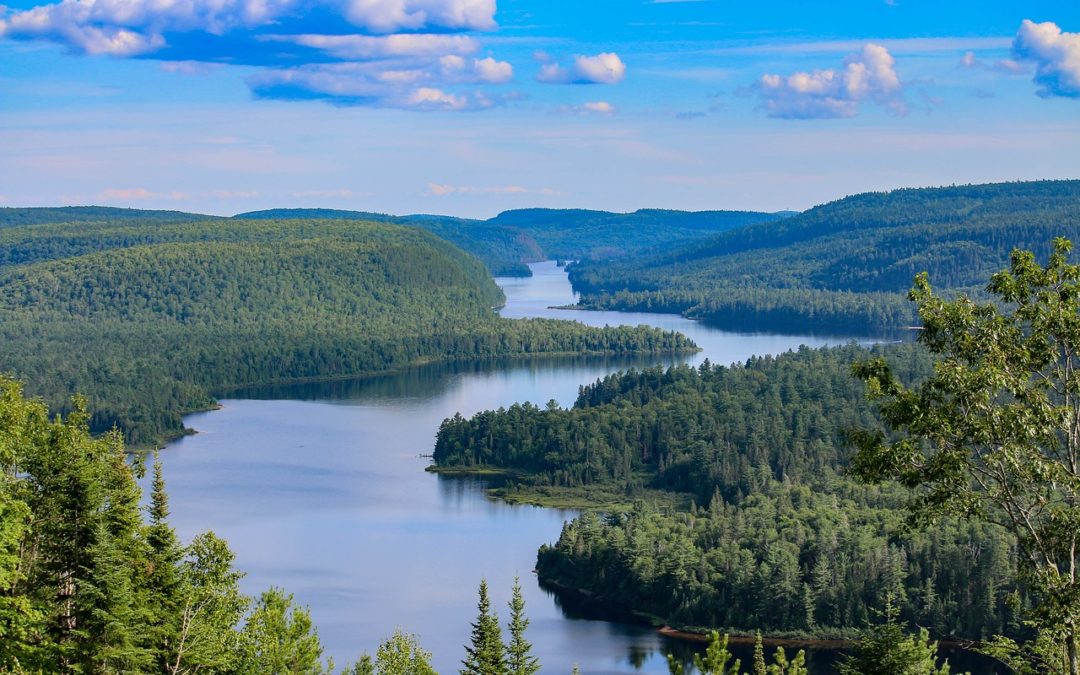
<point x="845" y="265"/>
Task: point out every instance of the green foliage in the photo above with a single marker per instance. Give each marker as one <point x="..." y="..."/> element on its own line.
<point x="401" y="654"/>
<point x="787" y="542"/>
<point x="717" y="656"/>
<point x="279" y="639"/>
<point x="842" y="265"/>
<point x="209" y="607"/>
<point x="886" y="649"/>
<point x="151" y="322"/>
<point x="519" y="658"/>
<point x="993" y="434"/>
<point x="485" y="654"/>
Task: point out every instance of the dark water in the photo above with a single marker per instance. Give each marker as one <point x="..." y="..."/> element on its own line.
<point x="321" y="489"/>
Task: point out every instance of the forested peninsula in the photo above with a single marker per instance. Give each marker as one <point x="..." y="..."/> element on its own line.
<point x="772" y="535"/>
<point x="843" y="266"/>
<point x="151" y="319"/>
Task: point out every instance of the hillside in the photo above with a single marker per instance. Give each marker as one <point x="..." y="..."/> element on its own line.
<point x="14" y="217"/>
<point x="845" y="265"/>
<point x="513" y="238"/>
<point x="780" y="540"/>
<point x="152" y="324"/>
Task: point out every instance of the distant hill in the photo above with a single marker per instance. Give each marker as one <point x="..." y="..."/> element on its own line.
<point x="843" y="265"/>
<point x="601" y="235"/>
<point x="153" y="322"/>
<point x="14" y="217"/>
<point x="513" y="238"/>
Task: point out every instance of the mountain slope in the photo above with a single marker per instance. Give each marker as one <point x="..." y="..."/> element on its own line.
<point x="149" y="330"/>
<point x="844" y="265"/>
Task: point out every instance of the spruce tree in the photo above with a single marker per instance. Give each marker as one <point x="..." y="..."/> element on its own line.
<point x="520" y="660"/>
<point x="759" y="656"/>
<point x="485" y="655"/>
<point x="163" y="585"/>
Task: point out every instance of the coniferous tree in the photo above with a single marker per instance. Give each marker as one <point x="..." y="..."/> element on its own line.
<point x="485" y="655"/>
<point x="163" y="584"/>
<point x="520" y="660"/>
<point x="759" y="655"/>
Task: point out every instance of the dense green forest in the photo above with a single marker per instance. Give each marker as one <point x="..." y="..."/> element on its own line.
<point x="14" y="216"/>
<point x="782" y="541"/>
<point x="511" y="239"/>
<point x="151" y="322"/>
<point x="844" y="265"/>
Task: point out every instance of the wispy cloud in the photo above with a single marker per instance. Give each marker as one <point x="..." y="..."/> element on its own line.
<point x="604" y="68"/>
<point x="445" y="190"/>
<point x="127" y="195"/>
<point x="895" y="46"/>
<point x="589" y="108"/>
<point x="1055" y="54"/>
<point x="868" y="74"/>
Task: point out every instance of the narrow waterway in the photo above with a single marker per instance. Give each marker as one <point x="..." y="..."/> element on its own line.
<point x="321" y="489"/>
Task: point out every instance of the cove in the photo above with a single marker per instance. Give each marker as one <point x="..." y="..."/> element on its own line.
<point x="321" y="489"/>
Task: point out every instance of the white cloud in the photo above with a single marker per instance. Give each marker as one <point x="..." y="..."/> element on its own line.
<point x="430" y="98"/>
<point x="359" y="83"/>
<point x="869" y="74"/>
<point x="1056" y="55"/>
<point x="417" y="46"/>
<point x="604" y="68"/>
<point x="458" y="69"/>
<point x="131" y="27"/>
<point x="365" y="47"/>
<point x="970" y="60"/>
<point x="589" y="108"/>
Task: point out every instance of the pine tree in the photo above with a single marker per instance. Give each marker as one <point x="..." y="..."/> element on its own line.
<point x="485" y="655"/>
<point x="163" y="584"/>
<point x="520" y="660"/>
<point x="759" y="656"/>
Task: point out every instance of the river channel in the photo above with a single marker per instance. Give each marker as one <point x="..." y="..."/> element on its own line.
<point x="321" y="489"/>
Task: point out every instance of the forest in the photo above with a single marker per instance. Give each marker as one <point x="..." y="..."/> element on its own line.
<point x="151" y="321"/>
<point x="776" y="536"/>
<point x="512" y="238"/>
<point x="844" y="266"/>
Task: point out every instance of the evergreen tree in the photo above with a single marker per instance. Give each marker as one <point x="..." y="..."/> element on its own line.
<point x="887" y="649"/>
<point x="163" y="584"/>
<point x="485" y="655"/>
<point x="520" y="660"/>
<point x="759" y="655"/>
<point x="715" y="661"/>
<point x="209" y="608"/>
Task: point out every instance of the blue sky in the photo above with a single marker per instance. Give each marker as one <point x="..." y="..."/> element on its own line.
<point x="470" y="107"/>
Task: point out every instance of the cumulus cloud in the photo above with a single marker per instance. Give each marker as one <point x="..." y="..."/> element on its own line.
<point x="970" y="60"/>
<point x="868" y="75"/>
<point x="379" y="52"/>
<point x="1055" y="54"/>
<point x="132" y="27"/>
<point x="604" y="68"/>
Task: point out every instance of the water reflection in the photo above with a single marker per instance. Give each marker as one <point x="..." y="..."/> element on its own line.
<point x="321" y="489"/>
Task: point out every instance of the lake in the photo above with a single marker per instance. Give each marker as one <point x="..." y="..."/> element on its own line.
<point x="321" y="489"/>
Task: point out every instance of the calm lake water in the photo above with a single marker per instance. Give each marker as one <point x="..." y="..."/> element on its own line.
<point x="321" y="490"/>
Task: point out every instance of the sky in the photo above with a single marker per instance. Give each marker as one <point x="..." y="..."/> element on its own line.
<point x="472" y="107"/>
